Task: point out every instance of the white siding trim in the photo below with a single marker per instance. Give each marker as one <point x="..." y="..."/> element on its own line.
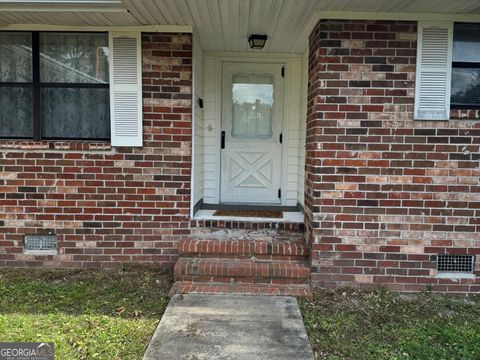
<point x="303" y="126"/>
<point x="211" y="132"/>
<point x="434" y="70"/>
<point x="292" y="128"/>
<point x="197" y="179"/>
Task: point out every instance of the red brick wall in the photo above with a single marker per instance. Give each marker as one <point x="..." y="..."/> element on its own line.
<point x="384" y="193"/>
<point x="108" y="205"/>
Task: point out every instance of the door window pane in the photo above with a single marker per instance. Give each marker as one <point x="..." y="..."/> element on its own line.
<point x="74" y="58"/>
<point x="252" y="106"/>
<point x="75" y="113"/>
<point x="15" y="57"/>
<point x="16" y="115"/>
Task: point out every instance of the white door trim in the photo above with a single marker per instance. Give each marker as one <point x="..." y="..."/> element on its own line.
<point x="213" y="68"/>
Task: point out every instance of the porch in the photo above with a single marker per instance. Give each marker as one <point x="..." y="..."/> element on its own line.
<point x="255" y="159"/>
<point x="329" y="123"/>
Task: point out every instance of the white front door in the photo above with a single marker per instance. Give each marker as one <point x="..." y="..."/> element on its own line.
<point x="252" y="116"/>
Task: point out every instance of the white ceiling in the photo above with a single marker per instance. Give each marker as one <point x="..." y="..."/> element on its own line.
<point x="221" y="25"/>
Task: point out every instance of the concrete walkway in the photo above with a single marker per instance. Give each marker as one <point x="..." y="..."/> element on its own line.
<point x="211" y="327"/>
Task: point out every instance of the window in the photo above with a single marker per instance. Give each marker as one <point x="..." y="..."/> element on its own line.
<point x="54" y="86"/>
<point x="252" y="106"/>
<point x="465" y="91"/>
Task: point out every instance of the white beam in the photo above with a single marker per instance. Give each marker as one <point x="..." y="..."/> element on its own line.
<point x="146" y="28"/>
<point x="63" y="6"/>
<point x="401" y="16"/>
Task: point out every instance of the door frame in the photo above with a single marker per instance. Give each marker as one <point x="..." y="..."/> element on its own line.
<point x="278" y="127"/>
<point x="284" y="126"/>
<point x="216" y="60"/>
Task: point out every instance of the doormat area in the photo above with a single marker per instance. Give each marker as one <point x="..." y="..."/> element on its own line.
<point x="277" y="214"/>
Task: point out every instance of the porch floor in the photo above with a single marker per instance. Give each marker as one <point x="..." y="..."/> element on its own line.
<point x="288" y="217"/>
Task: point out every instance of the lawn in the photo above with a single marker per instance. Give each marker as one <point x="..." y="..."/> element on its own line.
<point x="349" y="324"/>
<point x="92" y="314"/>
<point x="87" y="314"/>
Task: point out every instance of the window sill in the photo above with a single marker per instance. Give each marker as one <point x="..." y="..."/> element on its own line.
<point x="55" y="145"/>
<point x="40" y="252"/>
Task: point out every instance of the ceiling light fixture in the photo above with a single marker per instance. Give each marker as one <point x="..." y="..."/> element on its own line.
<point x="257" y="41"/>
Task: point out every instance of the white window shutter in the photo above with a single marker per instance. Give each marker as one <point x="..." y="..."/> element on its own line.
<point x="126" y="88"/>
<point x="434" y="69"/>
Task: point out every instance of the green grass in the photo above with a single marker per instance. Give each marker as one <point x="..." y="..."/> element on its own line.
<point x="87" y="314"/>
<point x="349" y="324"/>
<point x="90" y="314"/>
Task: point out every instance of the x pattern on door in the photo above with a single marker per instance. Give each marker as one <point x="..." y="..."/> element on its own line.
<point x="251" y="169"/>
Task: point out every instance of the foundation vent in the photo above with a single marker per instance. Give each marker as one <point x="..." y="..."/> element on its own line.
<point x="40" y="244"/>
<point x="455" y="264"/>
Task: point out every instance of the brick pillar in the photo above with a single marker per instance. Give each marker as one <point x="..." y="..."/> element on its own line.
<point x="384" y="194"/>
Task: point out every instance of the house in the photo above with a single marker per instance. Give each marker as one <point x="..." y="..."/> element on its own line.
<point x="126" y="123"/>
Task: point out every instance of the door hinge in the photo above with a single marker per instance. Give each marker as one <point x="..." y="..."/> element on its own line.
<point x="280" y="138"/>
<point x="283" y="71"/>
<point x="279" y="193"/>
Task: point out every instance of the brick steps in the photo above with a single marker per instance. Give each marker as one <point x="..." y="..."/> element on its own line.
<point x="241" y="271"/>
<point x="187" y="287"/>
<point x="274" y="249"/>
<point x="243" y="262"/>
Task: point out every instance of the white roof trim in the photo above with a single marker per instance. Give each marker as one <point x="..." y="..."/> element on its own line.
<point x="241" y="56"/>
<point x="63" y="5"/>
<point x="145" y="28"/>
<point x="401" y="16"/>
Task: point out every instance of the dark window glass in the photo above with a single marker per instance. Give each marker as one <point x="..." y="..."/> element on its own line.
<point x="16" y="90"/>
<point x="75" y="113"/>
<point x="466" y="86"/>
<point x="465" y="89"/>
<point x="74" y="58"/>
<point x="67" y="73"/>
<point x="466" y="43"/>
<point x="16" y="114"/>
<point x="15" y="57"/>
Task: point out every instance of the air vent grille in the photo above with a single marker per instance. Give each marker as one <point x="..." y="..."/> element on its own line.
<point x="455" y="263"/>
<point x="40" y="243"/>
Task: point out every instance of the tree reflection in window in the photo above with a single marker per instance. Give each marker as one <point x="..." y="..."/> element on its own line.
<point x="465" y="90"/>
<point x="252" y="106"/>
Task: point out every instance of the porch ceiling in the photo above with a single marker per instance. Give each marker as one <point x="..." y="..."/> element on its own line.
<point x="221" y="25"/>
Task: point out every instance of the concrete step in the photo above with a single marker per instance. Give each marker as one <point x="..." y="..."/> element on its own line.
<point x="241" y="271"/>
<point x="212" y="288"/>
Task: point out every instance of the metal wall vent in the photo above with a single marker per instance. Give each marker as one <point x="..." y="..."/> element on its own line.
<point x="40" y="244"/>
<point x="456" y="264"/>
